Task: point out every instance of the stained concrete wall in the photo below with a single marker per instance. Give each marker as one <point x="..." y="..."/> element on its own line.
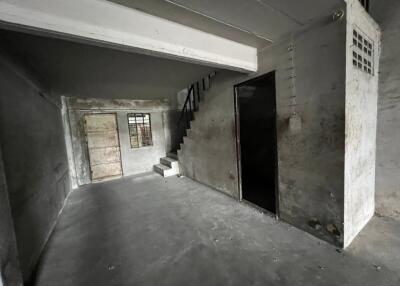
<point x="361" y="118"/>
<point x="10" y="273"/>
<point x="134" y="160"/>
<point x="387" y="14"/>
<point x="310" y="162"/>
<point x="34" y="156"/>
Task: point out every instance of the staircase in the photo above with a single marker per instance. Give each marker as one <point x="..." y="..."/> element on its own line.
<point x="169" y="166"/>
<point x="195" y="95"/>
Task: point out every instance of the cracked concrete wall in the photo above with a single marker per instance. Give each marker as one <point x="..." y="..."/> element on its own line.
<point x="361" y="118"/>
<point x="311" y="162"/>
<point x="387" y="14"/>
<point x="134" y="161"/>
<point x="34" y="157"/>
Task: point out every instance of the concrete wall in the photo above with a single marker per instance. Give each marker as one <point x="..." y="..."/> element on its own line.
<point x="134" y="161"/>
<point x="361" y="118"/>
<point x="86" y="71"/>
<point x="10" y="273"/>
<point x="34" y="156"/>
<point x="140" y="160"/>
<point x="387" y="14"/>
<point x="311" y="162"/>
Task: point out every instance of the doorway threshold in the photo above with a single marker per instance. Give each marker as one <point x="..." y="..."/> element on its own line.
<point x="260" y="209"/>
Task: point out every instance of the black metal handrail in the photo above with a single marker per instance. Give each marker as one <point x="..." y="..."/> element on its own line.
<point x="191" y="105"/>
<point x="187" y="102"/>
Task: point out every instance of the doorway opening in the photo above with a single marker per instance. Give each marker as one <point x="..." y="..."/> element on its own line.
<point x="255" y="106"/>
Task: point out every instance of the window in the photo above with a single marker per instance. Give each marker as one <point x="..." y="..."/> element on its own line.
<point x="139" y="125"/>
<point x="363" y="52"/>
<point x="365" y="4"/>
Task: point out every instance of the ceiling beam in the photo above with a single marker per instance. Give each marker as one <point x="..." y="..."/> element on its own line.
<point x="112" y="24"/>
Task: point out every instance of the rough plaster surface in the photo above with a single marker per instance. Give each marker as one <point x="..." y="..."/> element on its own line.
<point x="311" y="163"/>
<point x="34" y="156"/>
<point x="68" y="142"/>
<point x="10" y="273"/>
<point x="134" y="161"/>
<point x="361" y="118"/>
<point x="209" y="150"/>
<point x="155" y="231"/>
<point x="387" y="14"/>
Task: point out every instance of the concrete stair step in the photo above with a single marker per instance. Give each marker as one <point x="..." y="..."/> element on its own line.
<point x="189" y="139"/>
<point x="165" y="171"/>
<point x="170" y="162"/>
<point x="191" y="134"/>
<point x="180" y="153"/>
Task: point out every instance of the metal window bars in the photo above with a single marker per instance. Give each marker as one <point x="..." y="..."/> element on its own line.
<point x="140" y="134"/>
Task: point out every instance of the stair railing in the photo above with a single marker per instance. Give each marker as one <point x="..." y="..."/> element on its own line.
<point x="191" y="105"/>
<point x="187" y="111"/>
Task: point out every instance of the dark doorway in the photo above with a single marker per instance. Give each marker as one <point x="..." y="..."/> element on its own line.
<point x="257" y="151"/>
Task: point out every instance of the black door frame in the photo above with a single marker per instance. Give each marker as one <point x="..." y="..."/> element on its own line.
<point x="238" y="145"/>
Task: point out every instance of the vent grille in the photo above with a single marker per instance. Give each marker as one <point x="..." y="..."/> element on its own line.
<point x="363" y="52"/>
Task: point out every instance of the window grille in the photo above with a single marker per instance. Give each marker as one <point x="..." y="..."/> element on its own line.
<point x="139" y="125"/>
<point x="363" y="52"/>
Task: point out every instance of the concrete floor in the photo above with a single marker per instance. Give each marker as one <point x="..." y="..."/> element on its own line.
<point x="150" y="230"/>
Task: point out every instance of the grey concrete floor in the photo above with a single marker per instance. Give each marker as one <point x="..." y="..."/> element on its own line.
<point x="153" y="231"/>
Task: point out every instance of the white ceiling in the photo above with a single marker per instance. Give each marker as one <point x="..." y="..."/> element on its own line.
<point x="182" y="15"/>
<point x="269" y="19"/>
<point x="256" y="23"/>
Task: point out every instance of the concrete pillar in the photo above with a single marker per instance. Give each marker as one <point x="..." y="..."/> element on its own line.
<point x="361" y="121"/>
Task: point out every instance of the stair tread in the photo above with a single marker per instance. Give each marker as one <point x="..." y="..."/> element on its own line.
<point x="169" y="159"/>
<point x="161" y="166"/>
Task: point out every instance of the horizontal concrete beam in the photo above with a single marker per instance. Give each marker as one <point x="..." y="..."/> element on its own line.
<point x="110" y="23"/>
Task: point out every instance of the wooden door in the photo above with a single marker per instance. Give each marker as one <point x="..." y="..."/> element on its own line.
<point x="103" y="145"/>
